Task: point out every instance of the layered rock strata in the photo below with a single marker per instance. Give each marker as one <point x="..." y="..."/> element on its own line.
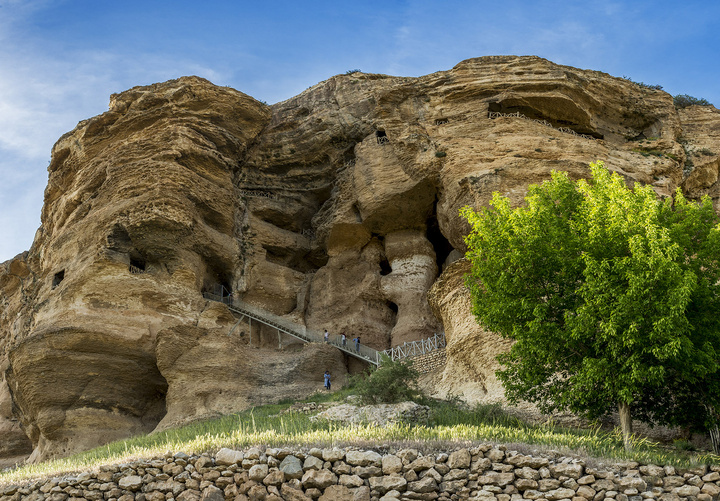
<point x="337" y="208"/>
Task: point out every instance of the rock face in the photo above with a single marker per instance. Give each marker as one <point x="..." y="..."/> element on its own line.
<point x="337" y="208"/>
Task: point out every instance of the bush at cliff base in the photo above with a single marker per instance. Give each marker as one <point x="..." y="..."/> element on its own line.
<point x="389" y="383"/>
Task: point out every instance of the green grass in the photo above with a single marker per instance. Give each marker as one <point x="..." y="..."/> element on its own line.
<point x="449" y="425"/>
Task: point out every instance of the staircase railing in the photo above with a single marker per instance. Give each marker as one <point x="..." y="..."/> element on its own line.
<point x="281" y="324"/>
<point x="290" y="328"/>
<point x="417" y="348"/>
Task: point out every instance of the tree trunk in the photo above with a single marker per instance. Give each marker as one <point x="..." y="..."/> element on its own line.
<point x="625" y="424"/>
<point x="715" y="439"/>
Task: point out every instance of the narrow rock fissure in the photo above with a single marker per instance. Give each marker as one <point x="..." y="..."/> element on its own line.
<point x="440" y="244"/>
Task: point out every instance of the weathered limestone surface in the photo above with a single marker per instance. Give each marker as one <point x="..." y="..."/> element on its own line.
<point x="467" y="342"/>
<point x="337" y="208"/>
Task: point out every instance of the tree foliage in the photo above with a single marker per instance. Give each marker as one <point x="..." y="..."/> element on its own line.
<point x="392" y="382"/>
<point x="610" y="294"/>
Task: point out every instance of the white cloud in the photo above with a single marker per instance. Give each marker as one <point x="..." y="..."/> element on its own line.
<point x="41" y="98"/>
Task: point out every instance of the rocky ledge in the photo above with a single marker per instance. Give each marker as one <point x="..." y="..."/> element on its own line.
<point x="482" y="472"/>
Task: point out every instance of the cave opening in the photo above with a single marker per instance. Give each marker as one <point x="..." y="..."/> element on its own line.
<point x="218" y="278"/>
<point x="57" y="278"/>
<point x="137" y="264"/>
<point x="393" y="307"/>
<point x="512" y="106"/>
<point x="293" y="258"/>
<point x="381" y="137"/>
<point x="440" y="244"/>
<point x="385" y="268"/>
<point x="505" y="107"/>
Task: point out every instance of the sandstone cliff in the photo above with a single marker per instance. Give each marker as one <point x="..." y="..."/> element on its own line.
<point x="338" y="208"/>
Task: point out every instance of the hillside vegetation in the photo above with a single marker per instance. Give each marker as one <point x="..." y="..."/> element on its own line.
<point x="450" y="425"/>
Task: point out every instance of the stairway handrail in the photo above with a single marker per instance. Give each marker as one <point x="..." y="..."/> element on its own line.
<point x="292" y="328"/>
<point x="416" y="348"/>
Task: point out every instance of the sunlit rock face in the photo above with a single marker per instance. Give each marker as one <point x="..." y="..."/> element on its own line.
<point x="338" y="208"/>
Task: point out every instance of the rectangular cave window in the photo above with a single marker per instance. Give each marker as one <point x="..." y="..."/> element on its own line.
<point x="441" y="121"/>
<point x="57" y="278"/>
<point x="136" y="266"/>
<point x="381" y="137"/>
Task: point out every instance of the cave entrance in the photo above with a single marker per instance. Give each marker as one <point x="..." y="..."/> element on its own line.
<point x="442" y="246"/>
<point x="137" y="264"/>
<point x="57" y="278"/>
<point x="381" y="137"/>
<point x="524" y="110"/>
<point x="218" y="279"/>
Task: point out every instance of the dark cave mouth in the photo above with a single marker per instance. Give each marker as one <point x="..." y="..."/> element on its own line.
<point x="441" y="245"/>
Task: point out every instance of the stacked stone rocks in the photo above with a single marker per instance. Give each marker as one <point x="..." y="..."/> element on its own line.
<point x="480" y="473"/>
<point x="430" y="361"/>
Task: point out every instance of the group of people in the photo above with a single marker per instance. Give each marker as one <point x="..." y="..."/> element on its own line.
<point x="343" y="343"/>
<point x="343" y="340"/>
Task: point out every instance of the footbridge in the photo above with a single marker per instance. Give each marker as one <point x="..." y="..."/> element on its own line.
<point x="244" y="311"/>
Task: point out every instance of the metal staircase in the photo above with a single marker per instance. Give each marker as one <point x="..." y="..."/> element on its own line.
<point x="283" y="325"/>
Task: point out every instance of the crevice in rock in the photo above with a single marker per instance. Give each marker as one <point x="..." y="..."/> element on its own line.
<point x="357" y="213"/>
<point x="385" y="268"/>
<point x="441" y="245"/>
<point x="289" y="258"/>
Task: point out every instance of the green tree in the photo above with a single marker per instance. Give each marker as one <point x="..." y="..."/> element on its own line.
<point x="610" y="294"/>
<point x="392" y="382"/>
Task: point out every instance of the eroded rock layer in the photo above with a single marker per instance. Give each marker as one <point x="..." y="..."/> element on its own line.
<point x="337" y="208"/>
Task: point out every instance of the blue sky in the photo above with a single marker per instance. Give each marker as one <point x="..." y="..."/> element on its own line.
<point x="61" y="60"/>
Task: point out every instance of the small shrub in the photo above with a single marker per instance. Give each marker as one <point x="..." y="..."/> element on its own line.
<point x="643" y="84"/>
<point x="390" y="383"/>
<point x="683" y="101"/>
<point x="440" y="154"/>
<point x="683" y="445"/>
<point x="350" y="72"/>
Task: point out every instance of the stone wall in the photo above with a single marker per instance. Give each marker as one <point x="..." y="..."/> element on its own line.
<point x="430" y="361"/>
<point x="483" y="473"/>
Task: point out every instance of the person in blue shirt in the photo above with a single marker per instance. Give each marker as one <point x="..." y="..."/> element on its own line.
<point x="327" y="380"/>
